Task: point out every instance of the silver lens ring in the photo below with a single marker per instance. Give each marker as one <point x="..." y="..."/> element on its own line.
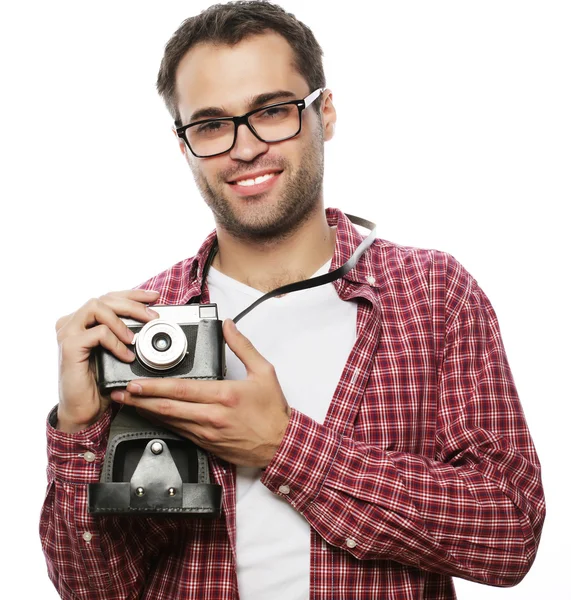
<point x="151" y="347"/>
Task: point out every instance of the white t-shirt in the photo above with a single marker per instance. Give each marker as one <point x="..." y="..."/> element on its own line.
<point x="307" y="336"/>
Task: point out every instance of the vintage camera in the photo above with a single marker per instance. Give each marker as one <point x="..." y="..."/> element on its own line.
<point x="149" y="469"/>
<point x="185" y="341"/>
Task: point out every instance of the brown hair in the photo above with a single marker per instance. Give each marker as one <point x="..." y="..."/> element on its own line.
<point x="229" y="24"/>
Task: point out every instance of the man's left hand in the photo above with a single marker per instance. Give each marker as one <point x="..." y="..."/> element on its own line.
<point x="242" y="422"/>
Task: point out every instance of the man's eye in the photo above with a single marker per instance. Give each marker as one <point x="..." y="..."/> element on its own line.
<point x="275" y="112"/>
<point x="212" y="127"/>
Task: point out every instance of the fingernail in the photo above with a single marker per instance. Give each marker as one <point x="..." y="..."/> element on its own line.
<point x="134" y="388"/>
<point x="117" y="396"/>
<point x="232" y="325"/>
<point x="130" y="355"/>
<point x="153" y="313"/>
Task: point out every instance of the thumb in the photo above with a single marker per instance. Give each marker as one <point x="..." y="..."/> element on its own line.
<point x="242" y="346"/>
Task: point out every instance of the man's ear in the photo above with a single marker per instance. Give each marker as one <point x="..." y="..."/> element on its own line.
<point x="180" y="141"/>
<point x="328" y="115"/>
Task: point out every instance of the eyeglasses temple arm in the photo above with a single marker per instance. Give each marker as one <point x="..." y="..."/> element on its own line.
<point x="313" y="96"/>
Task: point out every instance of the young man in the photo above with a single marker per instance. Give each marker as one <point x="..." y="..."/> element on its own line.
<point x="368" y="435"/>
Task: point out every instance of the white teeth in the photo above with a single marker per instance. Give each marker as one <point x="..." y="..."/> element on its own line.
<point x="255" y="181"/>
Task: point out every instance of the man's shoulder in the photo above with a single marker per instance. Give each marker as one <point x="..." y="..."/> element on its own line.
<point x="397" y="257"/>
<point x="428" y="268"/>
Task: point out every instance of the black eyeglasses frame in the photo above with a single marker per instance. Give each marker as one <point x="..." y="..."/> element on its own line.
<point x="244" y="120"/>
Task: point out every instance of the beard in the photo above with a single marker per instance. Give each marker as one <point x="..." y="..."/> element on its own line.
<point x="299" y="199"/>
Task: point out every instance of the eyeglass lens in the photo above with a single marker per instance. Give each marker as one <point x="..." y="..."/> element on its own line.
<point x="271" y="124"/>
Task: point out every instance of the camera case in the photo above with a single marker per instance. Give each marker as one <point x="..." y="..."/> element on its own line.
<point x="149" y="470"/>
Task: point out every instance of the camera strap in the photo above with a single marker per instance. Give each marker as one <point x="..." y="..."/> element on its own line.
<point x="149" y="470"/>
<point x="313" y="281"/>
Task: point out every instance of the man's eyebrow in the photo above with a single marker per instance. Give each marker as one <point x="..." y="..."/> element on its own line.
<point x="253" y="102"/>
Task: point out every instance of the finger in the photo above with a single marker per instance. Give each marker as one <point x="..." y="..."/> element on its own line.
<point x="185" y="429"/>
<point x="131" y="308"/>
<point x="63" y="321"/>
<point x="91" y="315"/>
<point x="79" y="347"/>
<point x="161" y="420"/>
<point x="186" y="390"/>
<point x="243" y="348"/>
<point x="172" y="411"/>
<point x="127" y="307"/>
<point x="138" y="295"/>
<point x="106" y="311"/>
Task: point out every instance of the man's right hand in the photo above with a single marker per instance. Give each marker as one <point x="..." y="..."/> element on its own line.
<point x="95" y="324"/>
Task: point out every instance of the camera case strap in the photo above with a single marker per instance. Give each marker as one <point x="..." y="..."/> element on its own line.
<point x="149" y="470"/>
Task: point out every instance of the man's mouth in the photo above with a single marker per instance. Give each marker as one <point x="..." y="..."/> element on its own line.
<point x="260" y="179"/>
<point x="252" y="184"/>
<point x="254" y="177"/>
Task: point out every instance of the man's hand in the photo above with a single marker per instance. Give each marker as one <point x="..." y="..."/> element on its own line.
<point x="95" y="323"/>
<point x="242" y="422"/>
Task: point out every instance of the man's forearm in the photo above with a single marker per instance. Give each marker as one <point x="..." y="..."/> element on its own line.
<point x="442" y="517"/>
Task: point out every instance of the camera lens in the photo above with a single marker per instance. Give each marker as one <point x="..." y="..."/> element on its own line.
<point x="161" y="345"/>
<point x="161" y="342"/>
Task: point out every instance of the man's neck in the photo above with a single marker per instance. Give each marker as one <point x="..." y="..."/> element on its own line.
<point x="268" y="265"/>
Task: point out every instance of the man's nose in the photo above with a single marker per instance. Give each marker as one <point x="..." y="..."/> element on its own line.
<point x="247" y="146"/>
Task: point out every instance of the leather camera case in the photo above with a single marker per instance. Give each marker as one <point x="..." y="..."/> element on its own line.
<point x="149" y="470"/>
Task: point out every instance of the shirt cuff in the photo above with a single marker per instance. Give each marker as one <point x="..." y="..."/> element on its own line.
<point x="77" y="457"/>
<point x="302" y="462"/>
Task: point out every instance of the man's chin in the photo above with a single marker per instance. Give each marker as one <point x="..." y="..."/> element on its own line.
<point x="254" y="223"/>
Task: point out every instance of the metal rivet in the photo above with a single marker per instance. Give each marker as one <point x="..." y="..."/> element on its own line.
<point x="157" y="448"/>
<point x="172" y="491"/>
<point x="140" y="491"/>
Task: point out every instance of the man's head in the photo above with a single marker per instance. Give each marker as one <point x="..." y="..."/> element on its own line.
<point x="227" y="61"/>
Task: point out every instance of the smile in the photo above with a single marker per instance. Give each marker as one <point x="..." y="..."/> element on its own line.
<point x="254" y="185"/>
<point x="257" y="180"/>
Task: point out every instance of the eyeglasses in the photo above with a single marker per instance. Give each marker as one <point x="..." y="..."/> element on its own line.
<point x="272" y="123"/>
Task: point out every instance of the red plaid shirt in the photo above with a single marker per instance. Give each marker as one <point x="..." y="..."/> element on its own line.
<point x="424" y="468"/>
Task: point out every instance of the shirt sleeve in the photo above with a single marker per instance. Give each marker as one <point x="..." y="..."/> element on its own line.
<point x="87" y="556"/>
<point x="474" y="509"/>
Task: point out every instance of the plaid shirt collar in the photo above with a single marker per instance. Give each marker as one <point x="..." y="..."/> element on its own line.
<point x="347" y="240"/>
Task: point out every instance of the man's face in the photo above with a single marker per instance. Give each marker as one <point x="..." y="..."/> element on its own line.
<point x="230" y="79"/>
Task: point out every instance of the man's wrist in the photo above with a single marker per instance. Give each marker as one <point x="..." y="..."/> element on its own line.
<point x="66" y="425"/>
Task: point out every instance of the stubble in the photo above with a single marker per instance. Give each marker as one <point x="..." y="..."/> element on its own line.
<point x="297" y="202"/>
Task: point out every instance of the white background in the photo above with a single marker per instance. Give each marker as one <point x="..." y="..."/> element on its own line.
<point x="453" y="133"/>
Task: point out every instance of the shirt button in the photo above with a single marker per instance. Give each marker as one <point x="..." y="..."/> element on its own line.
<point x="87" y="536"/>
<point x="350" y="542"/>
<point x="89" y="456"/>
<point x="284" y="489"/>
<point x="371" y="280"/>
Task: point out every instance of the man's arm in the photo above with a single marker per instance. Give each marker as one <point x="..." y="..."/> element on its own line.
<point x="87" y="556"/>
<point x="474" y="510"/>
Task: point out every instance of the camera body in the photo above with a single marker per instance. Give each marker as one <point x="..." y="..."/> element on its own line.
<point x="148" y="469"/>
<point x="186" y="341"/>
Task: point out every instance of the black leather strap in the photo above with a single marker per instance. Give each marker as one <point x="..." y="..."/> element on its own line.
<point x="314" y="281"/>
